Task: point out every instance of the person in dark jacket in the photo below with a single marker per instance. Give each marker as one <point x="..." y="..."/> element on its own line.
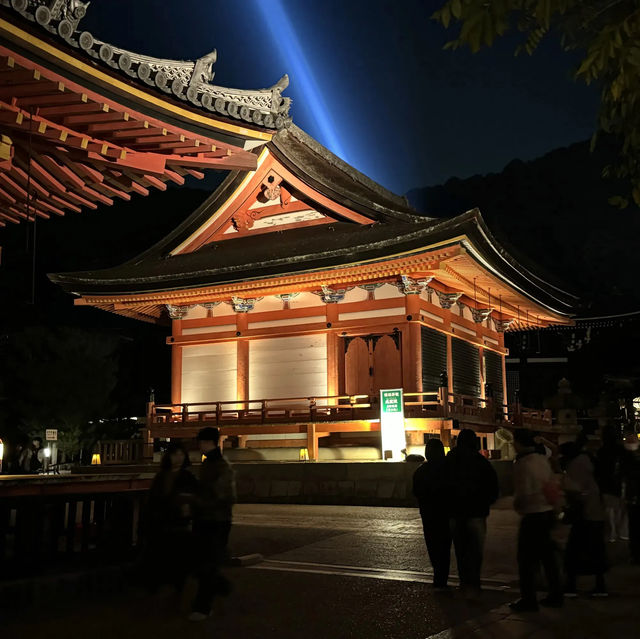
<point x="631" y="478"/>
<point x="585" y="552"/>
<point x="170" y="512"/>
<point x="430" y="490"/>
<point x="212" y="523"/>
<point x="610" y="461"/>
<point x="472" y="486"/>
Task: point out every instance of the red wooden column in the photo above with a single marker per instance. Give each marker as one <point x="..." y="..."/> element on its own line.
<point x="332" y="363"/>
<point x="483" y="373"/>
<point x="176" y="363"/>
<point x="503" y="359"/>
<point x="412" y="350"/>
<point x="242" y="388"/>
<point x="332" y="312"/>
<point x="450" y="364"/>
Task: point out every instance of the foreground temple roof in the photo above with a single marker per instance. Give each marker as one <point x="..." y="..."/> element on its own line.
<point x="84" y="121"/>
<point x="187" y="80"/>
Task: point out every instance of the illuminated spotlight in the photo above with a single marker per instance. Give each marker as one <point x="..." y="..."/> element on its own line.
<point x="285" y="37"/>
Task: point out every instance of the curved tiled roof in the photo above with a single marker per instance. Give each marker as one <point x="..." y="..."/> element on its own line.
<point x="189" y="81"/>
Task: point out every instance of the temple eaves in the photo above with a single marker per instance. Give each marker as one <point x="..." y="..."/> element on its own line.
<point x="189" y="81"/>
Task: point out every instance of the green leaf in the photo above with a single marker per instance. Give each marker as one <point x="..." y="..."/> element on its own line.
<point x="456" y="8"/>
<point x="619" y="202"/>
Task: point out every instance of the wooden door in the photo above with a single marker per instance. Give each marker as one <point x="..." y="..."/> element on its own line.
<point x="357" y="367"/>
<point x="387" y="365"/>
<point x="372" y="362"/>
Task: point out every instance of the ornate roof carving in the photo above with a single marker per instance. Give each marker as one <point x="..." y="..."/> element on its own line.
<point x="190" y="81"/>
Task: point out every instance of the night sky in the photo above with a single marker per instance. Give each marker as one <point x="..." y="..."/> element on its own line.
<point x="369" y="79"/>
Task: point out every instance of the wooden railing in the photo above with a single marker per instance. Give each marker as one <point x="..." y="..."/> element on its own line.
<point x="268" y="411"/>
<point x="521" y="416"/>
<point x="120" y="451"/>
<point x="340" y="408"/>
<point x="59" y="521"/>
<point x="432" y="404"/>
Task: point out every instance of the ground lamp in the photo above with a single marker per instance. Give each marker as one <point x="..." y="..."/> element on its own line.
<point x="95" y="459"/>
<point x="1" y="454"/>
<point x="304" y="454"/>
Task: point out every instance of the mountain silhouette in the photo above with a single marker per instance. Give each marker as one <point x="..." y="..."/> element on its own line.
<point x="553" y="214"/>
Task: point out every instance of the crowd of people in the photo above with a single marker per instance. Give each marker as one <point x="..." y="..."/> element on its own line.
<point x="597" y="495"/>
<point x="189" y="516"/>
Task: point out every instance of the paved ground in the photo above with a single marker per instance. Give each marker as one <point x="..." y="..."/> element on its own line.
<point x="335" y="571"/>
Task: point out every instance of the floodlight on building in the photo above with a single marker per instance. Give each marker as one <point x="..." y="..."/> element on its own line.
<point x="95" y="459"/>
<point x="304" y="454"/>
<point x="1" y="454"/>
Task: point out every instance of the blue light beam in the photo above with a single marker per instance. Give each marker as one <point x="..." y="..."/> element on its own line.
<point x="287" y="41"/>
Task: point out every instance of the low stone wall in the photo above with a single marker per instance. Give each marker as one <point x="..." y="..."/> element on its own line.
<point x="351" y="483"/>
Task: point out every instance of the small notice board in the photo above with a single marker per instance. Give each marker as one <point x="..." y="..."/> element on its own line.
<point x="51" y="434"/>
<point x="392" y="424"/>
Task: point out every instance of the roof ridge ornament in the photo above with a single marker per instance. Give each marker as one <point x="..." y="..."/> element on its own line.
<point x="187" y="80"/>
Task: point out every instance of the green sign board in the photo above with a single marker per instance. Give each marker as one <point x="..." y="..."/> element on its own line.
<point x="391" y="400"/>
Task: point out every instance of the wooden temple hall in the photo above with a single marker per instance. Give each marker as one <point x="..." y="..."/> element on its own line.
<point x="299" y="289"/>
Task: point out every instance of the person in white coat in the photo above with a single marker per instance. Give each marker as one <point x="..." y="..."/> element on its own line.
<point x="533" y="485"/>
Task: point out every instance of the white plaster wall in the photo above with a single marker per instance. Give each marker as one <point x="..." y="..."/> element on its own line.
<point x="292" y="321"/>
<point x="380" y="312"/>
<point x="387" y="291"/>
<point x="355" y="295"/>
<point x="288" y="367"/>
<point x="307" y="299"/>
<point x="209" y="372"/>
<point x="198" y="330"/>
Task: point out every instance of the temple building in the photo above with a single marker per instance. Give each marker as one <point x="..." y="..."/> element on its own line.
<point x="300" y="288"/>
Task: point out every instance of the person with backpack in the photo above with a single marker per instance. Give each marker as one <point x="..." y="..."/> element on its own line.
<point x="429" y="489"/>
<point x="535" y="499"/>
<point x="472" y="486"/>
<point x="610" y="462"/>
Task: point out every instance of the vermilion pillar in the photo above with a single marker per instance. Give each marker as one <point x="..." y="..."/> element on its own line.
<point x="242" y="388"/>
<point x="176" y="364"/>
<point x="412" y="349"/>
<point x="332" y="363"/>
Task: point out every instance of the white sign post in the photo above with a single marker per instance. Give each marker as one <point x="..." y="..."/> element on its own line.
<point x="392" y="424"/>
